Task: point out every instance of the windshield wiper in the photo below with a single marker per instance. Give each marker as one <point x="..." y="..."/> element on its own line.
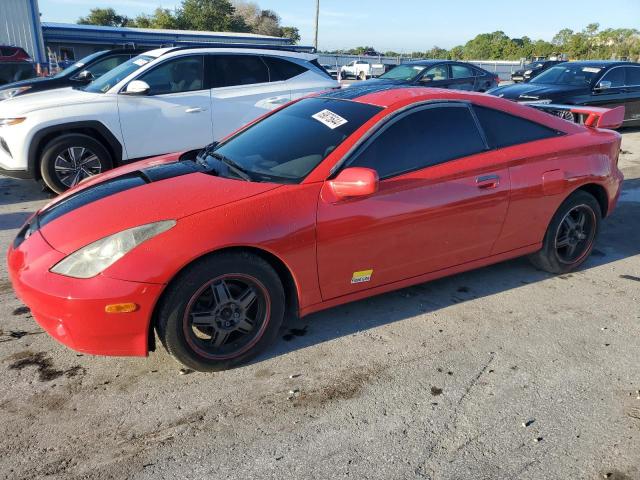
<point x="233" y="166"/>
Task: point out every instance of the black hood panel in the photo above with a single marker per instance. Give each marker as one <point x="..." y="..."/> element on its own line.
<point x="116" y="185"/>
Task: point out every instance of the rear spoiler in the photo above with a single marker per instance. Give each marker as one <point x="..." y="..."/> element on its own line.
<point x="594" y="117"/>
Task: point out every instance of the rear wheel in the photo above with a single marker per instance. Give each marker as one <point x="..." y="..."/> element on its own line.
<point x="571" y="234"/>
<point x="69" y="159"/>
<point x="362" y="76"/>
<point x="221" y="312"/>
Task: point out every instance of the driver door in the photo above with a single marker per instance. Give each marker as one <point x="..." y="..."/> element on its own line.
<point x="441" y="202"/>
<point x="175" y="115"/>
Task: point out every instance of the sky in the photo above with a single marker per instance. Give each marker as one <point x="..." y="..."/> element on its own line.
<point x="402" y="25"/>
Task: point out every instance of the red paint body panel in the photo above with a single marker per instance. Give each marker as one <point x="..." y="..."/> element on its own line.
<point x="418" y="226"/>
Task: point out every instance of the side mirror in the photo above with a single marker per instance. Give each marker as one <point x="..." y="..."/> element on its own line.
<point x="85" y="76"/>
<point x="137" y="87"/>
<point x="604" y="85"/>
<point x="353" y="182"/>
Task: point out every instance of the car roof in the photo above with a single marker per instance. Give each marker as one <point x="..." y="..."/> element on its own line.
<point x="388" y="95"/>
<point x="600" y="63"/>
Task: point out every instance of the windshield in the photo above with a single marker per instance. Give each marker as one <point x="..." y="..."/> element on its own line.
<point x="287" y="145"/>
<point x="115" y="76"/>
<point x="574" y="75"/>
<point x="533" y="65"/>
<point x="77" y="66"/>
<point x="404" y="72"/>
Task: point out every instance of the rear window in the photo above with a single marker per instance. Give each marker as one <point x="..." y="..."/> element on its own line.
<point x="503" y="130"/>
<point x="280" y="69"/>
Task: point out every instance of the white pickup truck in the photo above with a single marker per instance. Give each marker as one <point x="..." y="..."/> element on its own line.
<point x="361" y="70"/>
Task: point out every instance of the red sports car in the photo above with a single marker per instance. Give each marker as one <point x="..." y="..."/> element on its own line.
<point x="327" y="200"/>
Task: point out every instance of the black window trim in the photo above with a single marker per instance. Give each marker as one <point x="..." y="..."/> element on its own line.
<point x="388" y="122"/>
<point x="164" y="62"/>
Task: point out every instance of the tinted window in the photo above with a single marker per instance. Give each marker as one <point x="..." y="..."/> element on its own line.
<point x="633" y="76"/>
<point x="568" y="74"/>
<point x="421" y="139"/>
<point x="103" y="66"/>
<point x="8" y="51"/>
<point x="184" y="74"/>
<point x="615" y="76"/>
<point x="460" y="71"/>
<point x="232" y="70"/>
<point x="435" y="74"/>
<point x="280" y="69"/>
<point x="263" y="151"/>
<point x="503" y="130"/>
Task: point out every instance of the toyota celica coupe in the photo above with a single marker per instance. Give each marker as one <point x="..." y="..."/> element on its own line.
<point x="327" y="200"/>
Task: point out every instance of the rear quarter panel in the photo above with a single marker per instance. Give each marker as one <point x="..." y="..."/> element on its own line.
<point x="544" y="173"/>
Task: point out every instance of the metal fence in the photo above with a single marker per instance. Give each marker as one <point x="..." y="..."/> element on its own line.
<point x="502" y="68"/>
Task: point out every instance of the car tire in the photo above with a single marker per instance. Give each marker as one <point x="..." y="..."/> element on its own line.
<point x="202" y="317"/>
<point x="362" y="76"/>
<point x="68" y="159"/>
<point x="570" y="237"/>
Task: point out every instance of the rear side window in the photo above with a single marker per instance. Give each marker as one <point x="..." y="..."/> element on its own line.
<point x="280" y="69"/>
<point x="421" y="139"/>
<point x="8" y="51"/>
<point x="234" y="70"/>
<point x="504" y="130"/>
<point x="633" y="76"/>
<point x="461" y="71"/>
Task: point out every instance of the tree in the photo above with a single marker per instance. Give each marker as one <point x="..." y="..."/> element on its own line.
<point x="210" y="15"/>
<point x="161" y="18"/>
<point x="106" y="17"/>
<point x="291" y="33"/>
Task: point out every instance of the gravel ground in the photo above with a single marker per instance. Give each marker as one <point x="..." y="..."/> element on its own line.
<point x="500" y="373"/>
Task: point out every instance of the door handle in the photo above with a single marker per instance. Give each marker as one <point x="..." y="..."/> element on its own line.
<point x="195" y="110"/>
<point x="488" y="181"/>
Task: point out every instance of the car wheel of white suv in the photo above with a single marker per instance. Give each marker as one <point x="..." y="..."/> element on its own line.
<point x="69" y="159"/>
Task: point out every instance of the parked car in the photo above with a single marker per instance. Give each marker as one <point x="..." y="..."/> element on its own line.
<point x="331" y="70"/>
<point x="440" y="74"/>
<point x="10" y="53"/>
<point x="15" y="71"/>
<point x="594" y="83"/>
<point x="78" y="74"/>
<point x="328" y="200"/>
<point x="532" y="70"/>
<point x="165" y="100"/>
<point x="361" y="70"/>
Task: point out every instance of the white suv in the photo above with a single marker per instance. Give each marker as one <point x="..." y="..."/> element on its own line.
<point x="166" y="100"/>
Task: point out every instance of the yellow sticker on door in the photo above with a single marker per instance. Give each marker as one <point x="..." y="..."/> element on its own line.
<point x="362" y="276"/>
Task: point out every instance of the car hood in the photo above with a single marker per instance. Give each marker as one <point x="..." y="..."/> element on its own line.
<point x="535" y="91"/>
<point x="25" y="83"/>
<point x="138" y="194"/>
<point x="61" y="97"/>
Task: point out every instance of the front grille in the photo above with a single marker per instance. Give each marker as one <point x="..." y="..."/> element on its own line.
<point x="5" y="147"/>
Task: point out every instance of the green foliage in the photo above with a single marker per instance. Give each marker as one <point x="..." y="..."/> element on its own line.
<point x="203" y="15"/>
<point x="104" y="16"/>
<point x="589" y="44"/>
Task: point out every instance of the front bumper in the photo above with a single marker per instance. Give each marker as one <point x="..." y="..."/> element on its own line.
<point x="73" y="310"/>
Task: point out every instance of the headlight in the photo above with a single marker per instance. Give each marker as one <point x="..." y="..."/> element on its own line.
<point x="5" y="122"/>
<point x="528" y="72"/>
<point x="96" y="257"/>
<point x="12" y="92"/>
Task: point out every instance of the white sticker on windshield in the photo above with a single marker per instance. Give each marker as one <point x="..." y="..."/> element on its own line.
<point x="140" y="62"/>
<point x="330" y="119"/>
<point x="79" y="64"/>
<point x="591" y="69"/>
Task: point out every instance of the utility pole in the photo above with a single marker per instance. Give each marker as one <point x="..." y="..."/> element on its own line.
<point x="315" y="43"/>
